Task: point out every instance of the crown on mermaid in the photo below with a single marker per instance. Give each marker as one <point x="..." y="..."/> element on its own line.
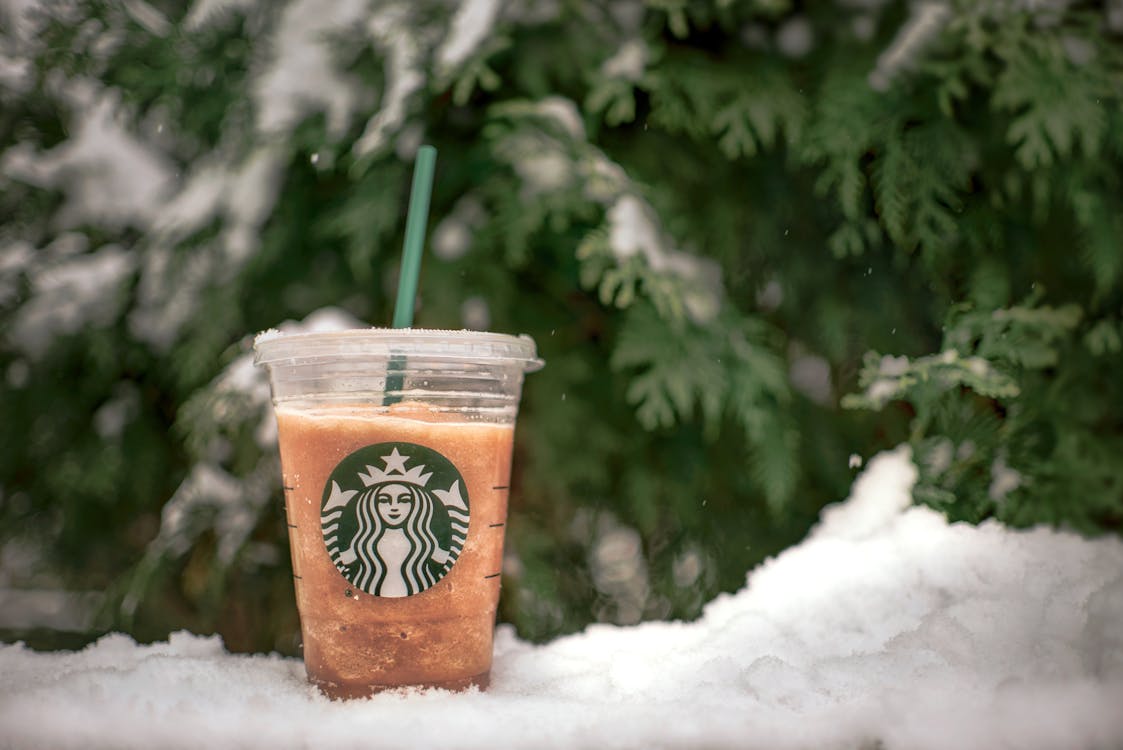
<point x="395" y="471"/>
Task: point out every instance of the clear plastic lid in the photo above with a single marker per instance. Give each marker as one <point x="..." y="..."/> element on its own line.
<point x="275" y="347"/>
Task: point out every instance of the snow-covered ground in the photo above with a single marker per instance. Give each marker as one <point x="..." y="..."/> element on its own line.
<point x="886" y="628"/>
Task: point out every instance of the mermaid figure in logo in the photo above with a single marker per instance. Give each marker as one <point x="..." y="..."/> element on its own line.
<point x="394" y="551"/>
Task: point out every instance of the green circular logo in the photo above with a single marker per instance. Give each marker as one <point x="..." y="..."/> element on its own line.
<point x="394" y="517"/>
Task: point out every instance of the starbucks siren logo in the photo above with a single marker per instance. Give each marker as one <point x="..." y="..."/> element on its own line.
<point x="394" y="517"/>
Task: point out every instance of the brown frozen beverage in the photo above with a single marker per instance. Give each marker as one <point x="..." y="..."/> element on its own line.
<point x="397" y="508"/>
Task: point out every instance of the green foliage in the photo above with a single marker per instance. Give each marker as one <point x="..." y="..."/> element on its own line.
<point x="1056" y="104"/>
<point x="712" y="233"/>
<point x="744" y="114"/>
<point x="689" y="372"/>
<point x="917" y="181"/>
<point x="1005" y="423"/>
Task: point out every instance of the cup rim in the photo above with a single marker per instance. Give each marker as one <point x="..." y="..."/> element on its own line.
<point x="274" y="347"/>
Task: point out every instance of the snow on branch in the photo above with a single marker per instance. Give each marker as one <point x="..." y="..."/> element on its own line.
<point x="301" y="78"/>
<point x="110" y="177"/>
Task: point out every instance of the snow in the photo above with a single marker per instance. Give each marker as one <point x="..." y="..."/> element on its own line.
<point x="199" y="198"/>
<point x="15" y="73"/>
<point x="109" y="177"/>
<point x="151" y="19"/>
<point x="392" y="30"/>
<point x="541" y="170"/>
<point x="564" y="112"/>
<point x="244" y="194"/>
<point x="887" y="627"/>
<point x="205" y="12"/>
<point x="171" y="285"/>
<point x="78" y="292"/>
<point x="926" y="20"/>
<point x="453" y="236"/>
<point x="795" y="37"/>
<point x="1114" y="15"/>
<point x="771" y="296"/>
<point x="115" y="176"/>
<point x="687" y="568"/>
<point x="549" y="160"/>
<point x="1003" y="479"/>
<point x="111" y="417"/>
<point x="14" y="257"/>
<point x="22" y="18"/>
<point x="473" y="21"/>
<point x="167" y="295"/>
<point x="633" y="229"/>
<point x="1080" y="52"/>
<point x="628" y="63"/>
<point x="619" y="570"/>
<point x="324" y="320"/>
<point x="810" y="374"/>
<point x="881" y="391"/>
<point x="893" y="367"/>
<point x="544" y="161"/>
<point x="48" y="608"/>
<point x="475" y="313"/>
<point x="250" y="197"/>
<point x="302" y="78"/>
<point x="408" y="141"/>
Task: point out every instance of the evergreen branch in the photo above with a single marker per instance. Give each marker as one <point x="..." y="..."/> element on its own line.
<point x="844" y="126"/>
<point x="917" y="178"/>
<point x="683" y="372"/>
<point x="665" y="392"/>
<point x="1024" y="336"/>
<point x="1104" y="338"/>
<point x="886" y="378"/>
<point x="1055" y="106"/>
<point x="614" y="100"/>
<point x="775" y="465"/>
<point x="1101" y="237"/>
<point x="892" y="179"/>
<point x="477" y="74"/>
<point x="746" y="114"/>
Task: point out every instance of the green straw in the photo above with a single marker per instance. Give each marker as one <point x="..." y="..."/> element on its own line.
<point x="416" y="219"/>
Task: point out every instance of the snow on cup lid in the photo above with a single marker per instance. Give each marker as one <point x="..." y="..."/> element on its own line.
<point x="421" y="344"/>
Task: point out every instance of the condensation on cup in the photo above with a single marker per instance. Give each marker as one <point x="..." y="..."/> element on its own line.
<point x="396" y="459"/>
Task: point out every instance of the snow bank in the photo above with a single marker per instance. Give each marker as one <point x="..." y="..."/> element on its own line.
<point x="887" y="627"/>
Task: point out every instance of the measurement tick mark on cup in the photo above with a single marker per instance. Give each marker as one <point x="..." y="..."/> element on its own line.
<point x="494" y="525"/>
<point x="501" y="487"/>
<point x="286" y="488"/>
<point x="293" y="526"/>
<point x="493" y="575"/>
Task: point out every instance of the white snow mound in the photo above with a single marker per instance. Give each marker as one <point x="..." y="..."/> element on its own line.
<point x="886" y="628"/>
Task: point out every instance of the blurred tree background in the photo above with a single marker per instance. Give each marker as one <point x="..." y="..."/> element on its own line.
<point x="755" y="240"/>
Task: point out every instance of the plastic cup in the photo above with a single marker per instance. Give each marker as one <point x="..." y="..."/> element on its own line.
<point x="396" y="457"/>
